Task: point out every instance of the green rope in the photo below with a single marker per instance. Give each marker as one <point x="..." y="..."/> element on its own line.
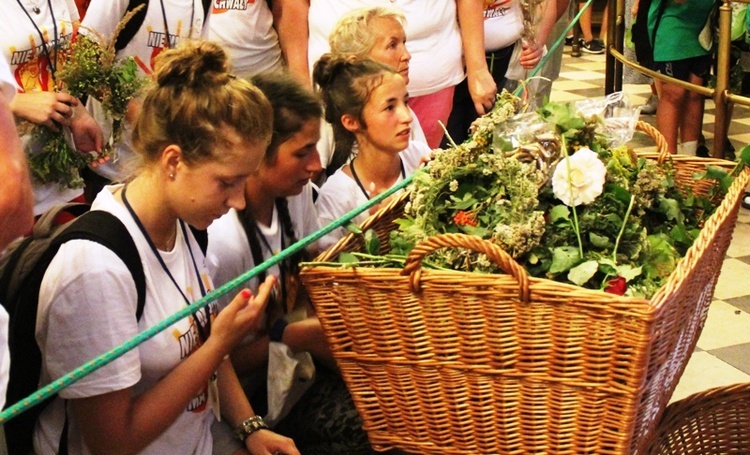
<point x="555" y="45"/>
<point x="109" y="356"/>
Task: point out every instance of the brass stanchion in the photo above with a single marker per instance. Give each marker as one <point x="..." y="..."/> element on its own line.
<point x="722" y="80"/>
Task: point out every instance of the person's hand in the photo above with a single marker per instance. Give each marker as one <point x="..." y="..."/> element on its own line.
<point x="241" y="316"/>
<point x="531" y="55"/>
<point x="266" y="442"/>
<point x="87" y="134"/>
<point x="51" y="109"/>
<point x="483" y="89"/>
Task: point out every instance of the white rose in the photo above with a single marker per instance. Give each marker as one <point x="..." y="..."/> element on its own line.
<point x="579" y="178"/>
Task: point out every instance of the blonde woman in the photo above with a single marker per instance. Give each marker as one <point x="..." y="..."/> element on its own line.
<point x="376" y="33"/>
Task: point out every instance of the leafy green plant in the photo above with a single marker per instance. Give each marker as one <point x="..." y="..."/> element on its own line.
<point x="90" y="70"/>
<point x="625" y="237"/>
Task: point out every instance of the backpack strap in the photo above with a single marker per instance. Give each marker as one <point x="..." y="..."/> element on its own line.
<point x="12" y="279"/>
<point x="133" y="25"/>
<point x="106" y="229"/>
<point x="98" y="226"/>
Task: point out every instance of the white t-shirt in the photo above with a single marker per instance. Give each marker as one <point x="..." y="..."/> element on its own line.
<point x="340" y="194"/>
<point x="184" y="18"/>
<point x="432" y="37"/>
<point x="20" y="45"/>
<point x="503" y="24"/>
<point x="245" y="29"/>
<point x="326" y="145"/>
<point x="229" y="254"/>
<point x="87" y="305"/>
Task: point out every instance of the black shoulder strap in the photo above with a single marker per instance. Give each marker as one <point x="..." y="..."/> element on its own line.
<point x="104" y="228"/>
<point x="98" y="226"/>
<point x="135" y="22"/>
<point x="133" y="25"/>
<point x="206" y="9"/>
<point x="201" y="236"/>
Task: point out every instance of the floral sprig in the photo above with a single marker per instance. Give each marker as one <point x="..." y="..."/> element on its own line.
<point x="90" y="70"/>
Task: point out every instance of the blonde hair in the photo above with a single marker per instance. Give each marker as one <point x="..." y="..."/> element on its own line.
<point x="354" y="34"/>
<point x="194" y="97"/>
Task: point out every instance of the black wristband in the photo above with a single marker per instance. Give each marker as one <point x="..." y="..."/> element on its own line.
<point x="276" y="332"/>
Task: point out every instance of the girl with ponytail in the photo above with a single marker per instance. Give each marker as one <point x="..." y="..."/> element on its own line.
<point x="200" y="134"/>
<point x="366" y="102"/>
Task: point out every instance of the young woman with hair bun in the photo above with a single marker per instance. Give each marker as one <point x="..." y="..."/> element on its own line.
<point x="366" y="102"/>
<point x="200" y="134"/>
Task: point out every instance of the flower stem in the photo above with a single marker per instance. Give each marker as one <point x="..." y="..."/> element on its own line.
<point x="622" y="229"/>
<point x="576" y="227"/>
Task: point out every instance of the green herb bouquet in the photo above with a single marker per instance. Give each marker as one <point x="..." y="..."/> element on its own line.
<point x="90" y="69"/>
<point x="567" y="204"/>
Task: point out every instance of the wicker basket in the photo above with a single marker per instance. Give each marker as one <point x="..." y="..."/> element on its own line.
<point x="465" y="363"/>
<point x="713" y="422"/>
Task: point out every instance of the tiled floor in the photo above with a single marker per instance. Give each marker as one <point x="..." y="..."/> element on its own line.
<point x="723" y="353"/>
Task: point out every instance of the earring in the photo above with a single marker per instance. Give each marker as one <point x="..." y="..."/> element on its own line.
<point x="171" y="176"/>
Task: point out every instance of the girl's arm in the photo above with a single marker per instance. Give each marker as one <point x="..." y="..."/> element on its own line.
<point x="290" y="19"/>
<point x="307" y="336"/>
<point x="481" y="84"/>
<point x="236" y="408"/>
<point x="118" y="423"/>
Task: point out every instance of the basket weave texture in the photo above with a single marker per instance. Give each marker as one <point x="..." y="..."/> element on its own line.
<point x="449" y="362"/>
<point x="713" y="422"/>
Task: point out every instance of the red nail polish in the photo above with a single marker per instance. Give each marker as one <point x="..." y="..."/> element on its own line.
<point x="246" y="294"/>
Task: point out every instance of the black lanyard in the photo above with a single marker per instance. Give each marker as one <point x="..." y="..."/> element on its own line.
<point x="168" y="44"/>
<point x="203" y="331"/>
<point x="359" y="184"/>
<point x="45" y="48"/>
<point x="251" y="228"/>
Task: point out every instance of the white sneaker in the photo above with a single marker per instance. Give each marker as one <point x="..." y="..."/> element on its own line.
<point x="650" y="107"/>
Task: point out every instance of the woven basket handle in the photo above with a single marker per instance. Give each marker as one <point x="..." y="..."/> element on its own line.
<point x="661" y="143"/>
<point x="413" y="266"/>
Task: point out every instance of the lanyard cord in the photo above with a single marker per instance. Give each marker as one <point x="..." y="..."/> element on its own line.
<point x="251" y="229"/>
<point x="203" y="331"/>
<point x="45" y="48"/>
<point x="168" y="43"/>
<point x="282" y="264"/>
<point x="359" y="184"/>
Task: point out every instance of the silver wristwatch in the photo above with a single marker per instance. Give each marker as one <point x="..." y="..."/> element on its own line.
<point x="249" y="427"/>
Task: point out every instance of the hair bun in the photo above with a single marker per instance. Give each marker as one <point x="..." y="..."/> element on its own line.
<point x="327" y="68"/>
<point x="193" y="64"/>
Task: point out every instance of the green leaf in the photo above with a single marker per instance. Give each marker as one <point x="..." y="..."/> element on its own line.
<point x="559" y="212"/>
<point x="599" y="241"/>
<point x="354" y="229"/>
<point x="628" y="272"/>
<point x="372" y="242"/>
<point x="563" y="258"/>
<point x="681" y="234"/>
<point x="348" y="258"/>
<point x="620" y="193"/>
<point x="583" y="272"/>
<point x="671" y="208"/>
<point x="744" y="155"/>
<point x="475" y="230"/>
